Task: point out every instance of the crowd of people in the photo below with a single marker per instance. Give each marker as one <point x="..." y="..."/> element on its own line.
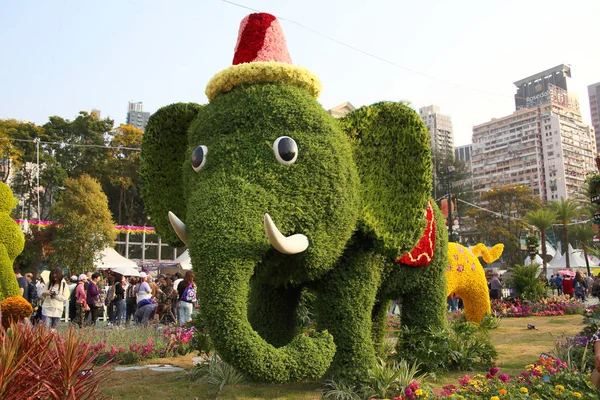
<point x="164" y="299"/>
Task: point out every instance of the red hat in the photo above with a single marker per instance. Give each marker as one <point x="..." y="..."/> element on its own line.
<point x="261" y="55"/>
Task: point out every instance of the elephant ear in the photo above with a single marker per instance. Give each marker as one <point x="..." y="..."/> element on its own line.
<point x="164" y="146"/>
<point x="393" y="157"/>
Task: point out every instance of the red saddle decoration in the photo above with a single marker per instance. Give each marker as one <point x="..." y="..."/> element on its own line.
<point x="422" y="254"/>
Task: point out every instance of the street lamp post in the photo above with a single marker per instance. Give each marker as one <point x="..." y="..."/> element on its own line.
<point x="451" y="169"/>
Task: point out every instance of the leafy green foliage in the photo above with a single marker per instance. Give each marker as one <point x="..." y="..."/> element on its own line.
<point x="87" y="226"/>
<point x="215" y="373"/>
<point x="566" y="211"/>
<point x="123" y="175"/>
<point x="321" y="195"/>
<point x="393" y="157"/>
<point x="11" y="244"/>
<point x="460" y="346"/>
<point x="163" y="154"/>
<point x="392" y="377"/>
<point x="526" y="282"/>
<point x="338" y="389"/>
<point x="422" y="290"/>
<point x="542" y="219"/>
<point x="511" y="203"/>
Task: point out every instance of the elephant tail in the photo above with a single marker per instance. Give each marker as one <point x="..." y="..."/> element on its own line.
<point x="489" y="256"/>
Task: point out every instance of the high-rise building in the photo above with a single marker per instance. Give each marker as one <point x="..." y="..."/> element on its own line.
<point x="594" y="96"/>
<point x="136" y="116"/>
<point x="440" y="129"/>
<point x="544" y="144"/>
<point x="463" y="153"/>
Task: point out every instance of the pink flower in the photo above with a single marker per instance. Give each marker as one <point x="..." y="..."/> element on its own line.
<point x="504" y="378"/>
<point x="464" y="380"/>
<point x="460" y="268"/>
<point x="494" y="371"/>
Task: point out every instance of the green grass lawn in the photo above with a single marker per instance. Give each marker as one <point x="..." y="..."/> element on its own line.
<point x="516" y="345"/>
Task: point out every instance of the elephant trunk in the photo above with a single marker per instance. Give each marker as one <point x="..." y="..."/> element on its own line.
<point x="223" y="292"/>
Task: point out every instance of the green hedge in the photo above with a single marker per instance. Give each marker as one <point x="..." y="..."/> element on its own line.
<point x="163" y="152"/>
<point x="393" y="157"/>
<point x="359" y="197"/>
<point x="12" y="242"/>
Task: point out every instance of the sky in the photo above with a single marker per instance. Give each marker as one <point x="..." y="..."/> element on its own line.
<point x="61" y="57"/>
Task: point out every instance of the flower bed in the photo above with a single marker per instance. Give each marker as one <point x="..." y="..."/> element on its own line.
<point x="551" y="306"/>
<point x="130" y="346"/>
<point x="546" y="379"/>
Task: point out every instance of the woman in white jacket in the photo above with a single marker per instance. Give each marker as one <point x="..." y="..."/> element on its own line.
<point x="53" y="298"/>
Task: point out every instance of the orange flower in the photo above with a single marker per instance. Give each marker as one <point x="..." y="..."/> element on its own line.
<point x="14" y="309"/>
<point x="503" y="392"/>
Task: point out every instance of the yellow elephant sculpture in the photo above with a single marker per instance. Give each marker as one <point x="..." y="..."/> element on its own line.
<point x="466" y="277"/>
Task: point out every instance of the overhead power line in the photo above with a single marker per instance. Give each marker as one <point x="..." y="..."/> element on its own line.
<point x="368" y="54"/>
<point x="76" y="144"/>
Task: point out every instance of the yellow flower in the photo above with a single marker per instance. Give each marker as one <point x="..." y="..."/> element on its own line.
<point x="524" y="390"/>
<point x="503" y="392"/>
<point x="559" y="387"/>
<point x="494" y="398"/>
<point x="576" y="394"/>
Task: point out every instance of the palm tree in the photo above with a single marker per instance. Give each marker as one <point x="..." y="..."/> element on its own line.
<point x="566" y="210"/>
<point x="582" y="235"/>
<point x="542" y="219"/>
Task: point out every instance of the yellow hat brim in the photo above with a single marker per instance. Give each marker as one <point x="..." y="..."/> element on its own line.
<point x="257" y="72"/>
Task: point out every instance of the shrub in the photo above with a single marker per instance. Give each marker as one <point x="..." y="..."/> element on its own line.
<point x="526" y="282"/>
<point x="216" y="373"/>
<point x="461" y="346"/>
<point x="39" y="363"/>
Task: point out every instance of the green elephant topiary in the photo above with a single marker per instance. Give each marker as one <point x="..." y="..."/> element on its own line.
<point x="348" y="214"/>
<point x="12" y="242"/>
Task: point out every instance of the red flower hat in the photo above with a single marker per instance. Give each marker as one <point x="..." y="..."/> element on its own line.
<point x="261" y="55"/>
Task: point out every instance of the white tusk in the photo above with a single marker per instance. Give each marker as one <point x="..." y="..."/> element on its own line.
<point x="179" y="227"/>
<point x="287" y="245"/>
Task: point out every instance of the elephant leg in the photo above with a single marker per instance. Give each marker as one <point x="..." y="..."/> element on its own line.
<point x="272" y="312"/>
<point x="345" y="308"/>
<point x="378" y="318"/>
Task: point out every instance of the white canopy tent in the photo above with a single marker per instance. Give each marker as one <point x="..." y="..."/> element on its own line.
<point x="184" y="260"/>
<point x="538" y="260"/>
<point x="110" y="258"/>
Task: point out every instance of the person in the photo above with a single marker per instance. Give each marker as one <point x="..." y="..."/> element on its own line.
<point x="116" y="300"/>
<point x="23" y="284"/>
<point x="552" y="284"/>
<point x="54" y="297"/>
<point x="167" y="297"/>
<point x="496" y="287"/>
<point x="579" y="286"/>
<point x="80" y="302"/>
<point x="452" y="302"/>
<point x="187" y="297"/>
<point x="559" y="284"/>
<point x="93" y="299"/>
<point x="595" y="377"/>
<point x="72" y="301"/>
<point x="130" y="299"/>
<point x="145" y="311"/>
<point x="567" y="286"/>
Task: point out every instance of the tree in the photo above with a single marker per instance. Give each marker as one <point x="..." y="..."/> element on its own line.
<point x="542" y="219"/>
<point x="87" y="225"/>
<point x="566" y="211"/>
<point x="122" y="180"/>
<point x="82" y="143"/>
<point x="582" y="236"/>
<point x="504" y="208"/>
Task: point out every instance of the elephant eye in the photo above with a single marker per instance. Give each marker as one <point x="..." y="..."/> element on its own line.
<point x="286" y="150"/>
<point x="199" y="157"/>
